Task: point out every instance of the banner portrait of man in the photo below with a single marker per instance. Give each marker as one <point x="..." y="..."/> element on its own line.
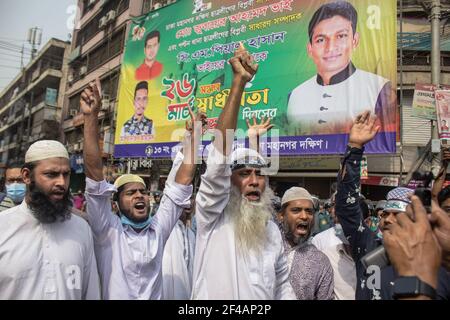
<point x="328" y="102"/>
<point x="139" y="125"/>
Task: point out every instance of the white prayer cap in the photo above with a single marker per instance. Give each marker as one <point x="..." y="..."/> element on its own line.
<point x="296" y="193"/>
<point x="46" y="149"/>
<point x="244" y="158"/>
<point x="128" y="178"/>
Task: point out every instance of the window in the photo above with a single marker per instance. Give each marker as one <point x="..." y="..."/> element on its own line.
<point x="92" y="27"/>
<point x="147" y="6"/>
<point x="106" y="51"/>
<point x="74" y="104"/>
<point x="110" y="85"/>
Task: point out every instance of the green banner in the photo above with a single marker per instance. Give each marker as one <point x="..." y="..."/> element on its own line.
<point x="321" y="63"/>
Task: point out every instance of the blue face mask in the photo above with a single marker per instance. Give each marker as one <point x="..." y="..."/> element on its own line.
<point x="16" y="192"/>
<point x="135" y="225"/>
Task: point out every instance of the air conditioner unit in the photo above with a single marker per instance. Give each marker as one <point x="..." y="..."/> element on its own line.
<point x="76" y="147"/>
<point x="70" y="78"/>
<point x="91" y="2"/>
<point x="73" y="113"/>
<point x="83" y="70"/>
<point x="102" y="23"/>
<point x="111" y="15"/>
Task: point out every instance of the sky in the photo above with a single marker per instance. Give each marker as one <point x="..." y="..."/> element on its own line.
<point x="54" y="17"/>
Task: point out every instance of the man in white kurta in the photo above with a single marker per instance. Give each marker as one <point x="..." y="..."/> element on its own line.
<point x="331" y="243"/>
<point x="239" y="251"/>
<point x="46" y="253"/>
<point x="130" y="262"/>
<point x="221" y="269"/>
<point x="46" y="261"/>
<point x="129" y="249"/>
<point x="177" y="264"/>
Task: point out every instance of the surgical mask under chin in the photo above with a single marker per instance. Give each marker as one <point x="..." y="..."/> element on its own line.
<point x="136" y="225"/>
<point x="16" y="191"/>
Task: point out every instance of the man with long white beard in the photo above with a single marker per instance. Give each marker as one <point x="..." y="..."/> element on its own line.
<point x="46" y="252"/>
<point x="311" y="275"/>
<point x="239" y="251"/>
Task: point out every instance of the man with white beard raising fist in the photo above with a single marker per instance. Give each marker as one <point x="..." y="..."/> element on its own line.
<point x="239" y="250"/>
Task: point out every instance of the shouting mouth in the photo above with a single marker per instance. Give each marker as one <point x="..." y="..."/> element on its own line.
<point x="58" y="195"/>
<point x="302" y="228"/>
<point x="140" y="207"/>
<point x="253" y="196"/>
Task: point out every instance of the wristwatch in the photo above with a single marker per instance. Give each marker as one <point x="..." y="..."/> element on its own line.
<point x="408" y="287"/>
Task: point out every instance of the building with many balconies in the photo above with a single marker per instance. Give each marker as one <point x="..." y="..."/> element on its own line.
<point x="30" y="107"/>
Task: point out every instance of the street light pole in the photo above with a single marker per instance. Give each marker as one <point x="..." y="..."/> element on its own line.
<point x="435" y="19"/>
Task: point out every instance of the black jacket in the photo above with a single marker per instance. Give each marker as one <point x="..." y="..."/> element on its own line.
<point x="362" y="240"/>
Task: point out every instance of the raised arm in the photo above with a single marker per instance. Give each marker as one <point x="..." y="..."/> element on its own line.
<point x="256" y="130"/>
<point x="243" y="71"/>
<point x="214" y="190"/>
<point x="347" y="198"/>
<point x="90" y="104"/>
<point x="98" y="191"/>
<point x="178" y="190"/>
<point x="191" y="141"/>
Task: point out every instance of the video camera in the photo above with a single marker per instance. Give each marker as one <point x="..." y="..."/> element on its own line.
<point x="379" y="256"/>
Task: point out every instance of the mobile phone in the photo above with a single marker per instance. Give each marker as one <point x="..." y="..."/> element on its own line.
<point x="377" y="257"/>
<point x="424" y="195"/>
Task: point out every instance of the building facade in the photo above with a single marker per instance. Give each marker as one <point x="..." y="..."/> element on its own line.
<point x="97" y="51"/>
<point x="30" y="107"/>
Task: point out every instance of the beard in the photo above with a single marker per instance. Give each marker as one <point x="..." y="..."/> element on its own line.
<point x="291" y="237"/>
<point x="45" y="210"/>
<point x="250" y="218"/>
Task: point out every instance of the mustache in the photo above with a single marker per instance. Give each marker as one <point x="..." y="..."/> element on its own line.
<point x="289" y="235"/>
<point x="45" y="210"/>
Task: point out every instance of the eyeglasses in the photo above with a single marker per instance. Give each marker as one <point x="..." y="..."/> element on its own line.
<point x="132" y="192"/>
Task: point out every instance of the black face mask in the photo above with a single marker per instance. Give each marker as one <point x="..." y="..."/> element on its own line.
<point x="45" y="210"/>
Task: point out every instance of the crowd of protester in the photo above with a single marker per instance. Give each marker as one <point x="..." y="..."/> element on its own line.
<point x="232" y="239"/>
